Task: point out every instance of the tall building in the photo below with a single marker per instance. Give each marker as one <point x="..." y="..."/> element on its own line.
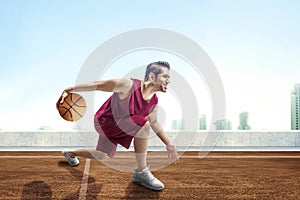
<point x="202" y="122"/>
<point x="244" y="121"/>
<point x="177" y="124"/>
<point x="295" y="102"/>
<point x="223" y="124"/>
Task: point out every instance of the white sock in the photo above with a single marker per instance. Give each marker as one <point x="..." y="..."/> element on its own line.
<point x="141" y="161"/>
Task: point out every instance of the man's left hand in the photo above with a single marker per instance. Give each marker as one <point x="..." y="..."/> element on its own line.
<point x="172" y="153"/>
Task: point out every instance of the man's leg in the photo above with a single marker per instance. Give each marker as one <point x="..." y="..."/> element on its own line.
<point x="71" y="156"/>
<point x="141" y="146"/>
<point x="88" y="153"/>
<point x="142" y="175"/>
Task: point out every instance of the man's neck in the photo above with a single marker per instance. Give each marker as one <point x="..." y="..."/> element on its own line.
<point x="148" y="90"/>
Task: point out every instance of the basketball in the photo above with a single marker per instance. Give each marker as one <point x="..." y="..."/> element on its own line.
<point x="73" y="107"/>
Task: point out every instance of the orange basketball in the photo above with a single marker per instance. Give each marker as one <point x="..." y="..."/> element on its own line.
<point x="73" y="108"/>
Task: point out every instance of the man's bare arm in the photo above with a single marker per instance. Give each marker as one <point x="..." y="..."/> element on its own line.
<point x="156" y="127"/>
<point x="121" y="86"/>
<point x="111" y="85"/>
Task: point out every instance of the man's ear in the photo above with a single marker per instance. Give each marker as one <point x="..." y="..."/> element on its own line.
<point x="152" y="76"/>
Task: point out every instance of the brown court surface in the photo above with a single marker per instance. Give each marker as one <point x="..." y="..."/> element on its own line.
<point x="220" y="175"/>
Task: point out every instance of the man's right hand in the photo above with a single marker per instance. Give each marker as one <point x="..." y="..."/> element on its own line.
<point x="61" y="98"/>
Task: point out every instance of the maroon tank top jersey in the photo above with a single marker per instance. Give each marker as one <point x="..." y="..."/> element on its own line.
<point x="118" y="120"/>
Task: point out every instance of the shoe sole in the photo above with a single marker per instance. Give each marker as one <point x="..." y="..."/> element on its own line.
<point x="147" y="186"/>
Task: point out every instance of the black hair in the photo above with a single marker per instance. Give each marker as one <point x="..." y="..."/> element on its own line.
<point x="155" y="68"/>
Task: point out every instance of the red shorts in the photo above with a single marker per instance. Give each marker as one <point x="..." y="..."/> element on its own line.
<point x="113" y="132"/>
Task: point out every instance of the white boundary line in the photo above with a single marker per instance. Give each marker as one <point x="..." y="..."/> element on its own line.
<point x="214" y="157"/>
<point x="37" y="157"/>
<point x="85" y="179"/>
<point x="47" y="157"/>
<point x="241" y="156"/>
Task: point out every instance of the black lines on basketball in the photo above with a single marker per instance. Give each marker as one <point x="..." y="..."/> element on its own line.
<point x="73" y="108"/>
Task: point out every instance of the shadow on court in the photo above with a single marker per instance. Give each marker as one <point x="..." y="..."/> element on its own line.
<point x="36" y="190"/>
<point x="134" y="191"/>
<point x="93" y="189"/>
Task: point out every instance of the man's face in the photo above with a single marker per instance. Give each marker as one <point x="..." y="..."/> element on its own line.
<point x="162" y="80"/>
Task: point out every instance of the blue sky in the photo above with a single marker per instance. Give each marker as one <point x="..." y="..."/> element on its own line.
<point x="254" y="45"/>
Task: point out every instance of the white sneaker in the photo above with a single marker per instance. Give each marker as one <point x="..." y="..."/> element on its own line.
<point x="72" y="161"/>
<point x="146" y="179"/>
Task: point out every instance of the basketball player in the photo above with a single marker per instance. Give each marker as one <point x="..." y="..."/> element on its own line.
<point x="128" y="114"/>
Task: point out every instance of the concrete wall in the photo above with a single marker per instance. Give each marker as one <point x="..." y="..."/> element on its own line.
<point x="197" y="139"/>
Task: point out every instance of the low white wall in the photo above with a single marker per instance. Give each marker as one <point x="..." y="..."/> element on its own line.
<point x="227" y="139"/>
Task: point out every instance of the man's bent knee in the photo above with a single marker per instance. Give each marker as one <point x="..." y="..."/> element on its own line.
<point x="144" y="131"/>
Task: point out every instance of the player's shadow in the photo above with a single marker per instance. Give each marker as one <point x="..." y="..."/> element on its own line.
<point x="93" y="189"/>
<point x="134" y="191"/>
<point x="36" y="190"/>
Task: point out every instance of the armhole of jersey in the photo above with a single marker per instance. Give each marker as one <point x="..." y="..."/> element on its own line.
<point x="136" y="84"/>
<point x="129" y="92"/>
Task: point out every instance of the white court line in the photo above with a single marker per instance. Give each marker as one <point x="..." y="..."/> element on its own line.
<point x="149" y="156"/>
<point x="84" y="181"/>
<point x="215" y="156"/>
<point x="38" y="157"/>
<point x="241" y="156"/>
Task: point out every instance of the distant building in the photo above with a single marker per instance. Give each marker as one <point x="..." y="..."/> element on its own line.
<point x="177" y="124"/>
<point x="223" y="124"/>
<point x="244" y="121"/>
<point x="45" y="128"/>
<point x="76" y="127"/>
<point x="202" y="123"/>
<point x="295" y="102"/>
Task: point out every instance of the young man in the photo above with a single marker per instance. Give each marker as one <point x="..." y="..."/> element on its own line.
<point x="128" y="114"/>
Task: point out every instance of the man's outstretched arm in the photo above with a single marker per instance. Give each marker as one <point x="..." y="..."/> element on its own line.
<point x="121" y="86"/>
<point x="112" y="85"/>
